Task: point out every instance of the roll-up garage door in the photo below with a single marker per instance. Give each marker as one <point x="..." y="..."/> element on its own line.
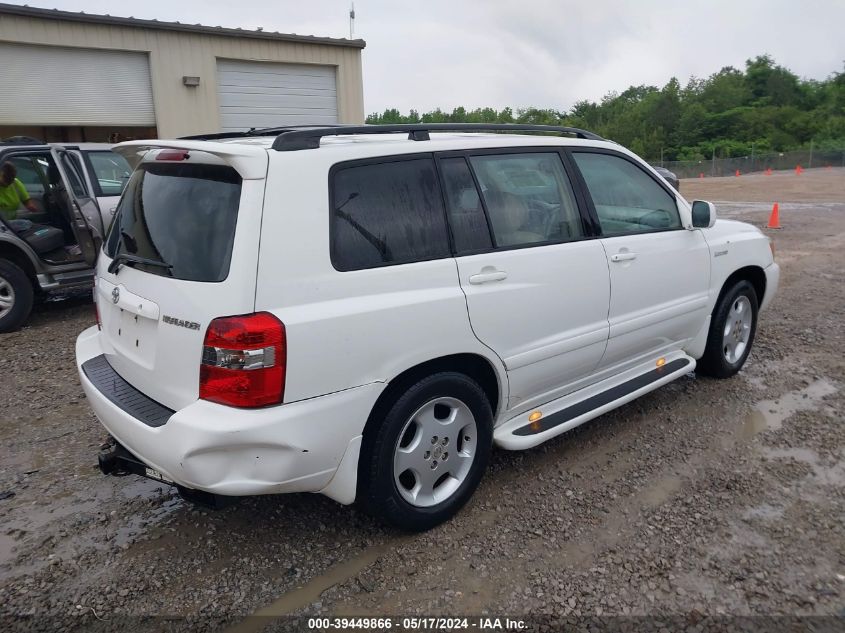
<point x="264" y="94"/>
<point x="49" y="85"/>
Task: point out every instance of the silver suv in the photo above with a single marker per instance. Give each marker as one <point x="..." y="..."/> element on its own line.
<point x="53" y="245"/>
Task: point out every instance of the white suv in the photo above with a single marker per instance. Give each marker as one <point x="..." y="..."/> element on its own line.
<point x="364" y="311"/>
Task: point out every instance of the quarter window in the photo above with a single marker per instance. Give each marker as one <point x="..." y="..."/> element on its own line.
<point x="627" y="200"/>
<point x="528" y="197"/>
<point x="466" y="215"/>
<point x="387" y="213"/>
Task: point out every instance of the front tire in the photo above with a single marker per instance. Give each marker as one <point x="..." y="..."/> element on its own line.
<point x="428" y="455"/>
<point x="16" y="296"/>
<point x="732" y="330"/>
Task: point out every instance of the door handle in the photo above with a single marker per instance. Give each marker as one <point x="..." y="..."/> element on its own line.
<point x="487" y="274"/>
<point x="623" y="257"/>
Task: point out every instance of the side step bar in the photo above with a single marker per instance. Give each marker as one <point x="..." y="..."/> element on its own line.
<point x="561" y="415"/>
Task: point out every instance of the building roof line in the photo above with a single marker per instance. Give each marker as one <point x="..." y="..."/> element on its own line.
<point x="95" y="18"/>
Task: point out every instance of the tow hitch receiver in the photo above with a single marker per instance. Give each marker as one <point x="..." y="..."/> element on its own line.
<point x="114" y="459"/>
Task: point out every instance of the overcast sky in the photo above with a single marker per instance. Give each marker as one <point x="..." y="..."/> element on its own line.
<point x="475" y="53"/>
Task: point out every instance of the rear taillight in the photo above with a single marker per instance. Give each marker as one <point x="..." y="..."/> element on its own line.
<point x="244" y="360"/>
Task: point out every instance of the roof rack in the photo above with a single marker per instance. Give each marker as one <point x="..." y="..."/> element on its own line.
<point x="289" y="139"/>
<point x="253" y="132"/>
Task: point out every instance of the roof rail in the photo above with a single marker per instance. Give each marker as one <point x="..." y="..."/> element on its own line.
<point x="309" y="137"/>
<point x="253" y="132"/>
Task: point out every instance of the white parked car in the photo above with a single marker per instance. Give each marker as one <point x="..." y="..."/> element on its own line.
<point x="364" y="311"/>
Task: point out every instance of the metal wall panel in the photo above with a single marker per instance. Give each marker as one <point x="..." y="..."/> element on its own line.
<point x="180" y="110"/>
<point x="261" y="94"/>
<point x="48" y="85"/>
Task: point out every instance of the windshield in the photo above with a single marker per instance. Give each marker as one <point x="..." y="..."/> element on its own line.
<point x="179" y="215"/>
<point x="111" y="171"/>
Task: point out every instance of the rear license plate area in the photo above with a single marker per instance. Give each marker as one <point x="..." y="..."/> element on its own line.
<point x="135" y="336"/>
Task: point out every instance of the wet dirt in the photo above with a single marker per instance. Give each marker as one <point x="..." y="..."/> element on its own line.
<point x="709" y="497"/>
<point x="813" y="186"/>
<point x="770" y="414"/>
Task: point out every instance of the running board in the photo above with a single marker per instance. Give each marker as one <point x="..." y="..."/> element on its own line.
<point x="528" y="430"/>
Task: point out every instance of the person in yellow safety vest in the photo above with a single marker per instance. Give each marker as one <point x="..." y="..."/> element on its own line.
<point x="13" y="194"/>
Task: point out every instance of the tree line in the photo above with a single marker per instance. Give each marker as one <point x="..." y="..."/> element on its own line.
<point x="763" y="108"/>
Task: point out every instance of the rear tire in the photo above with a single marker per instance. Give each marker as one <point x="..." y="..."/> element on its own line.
<point x="732" y="330"/>
<point x="427" y="457"/>
<point x="16" y="296"/>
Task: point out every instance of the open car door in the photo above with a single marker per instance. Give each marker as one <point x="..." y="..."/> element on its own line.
<point x="84" y="214"/>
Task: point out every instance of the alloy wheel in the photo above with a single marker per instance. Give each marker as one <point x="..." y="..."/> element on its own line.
<point x="435" y="451"/>
<point x="737" y="330"/>
<point x="7" y="297"/>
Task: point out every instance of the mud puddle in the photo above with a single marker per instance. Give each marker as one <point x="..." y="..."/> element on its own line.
<point x="310" y="592"/>
<point x="661" y="491"/>
<point x="61" y="523"/>
<point x="823" y="474"/>
<point x="770" y="414"/>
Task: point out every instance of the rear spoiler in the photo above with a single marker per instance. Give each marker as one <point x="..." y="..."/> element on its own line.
<point x="249" y="161"/>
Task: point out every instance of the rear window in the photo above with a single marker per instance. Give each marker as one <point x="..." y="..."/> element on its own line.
<point x="182" y="216"/>
<point x="387" y="213"/>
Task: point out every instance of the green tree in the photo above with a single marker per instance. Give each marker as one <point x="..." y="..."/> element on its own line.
<point x="766" y="107"/>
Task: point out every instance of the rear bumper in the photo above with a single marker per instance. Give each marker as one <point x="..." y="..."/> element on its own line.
<point x="295" y="447"/>
<point x="772" y="281"/>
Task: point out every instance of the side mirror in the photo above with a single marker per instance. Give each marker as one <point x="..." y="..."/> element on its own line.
<point x="703" y="214"/>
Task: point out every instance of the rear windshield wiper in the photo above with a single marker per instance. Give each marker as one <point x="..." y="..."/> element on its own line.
<point x="121" y="258"/>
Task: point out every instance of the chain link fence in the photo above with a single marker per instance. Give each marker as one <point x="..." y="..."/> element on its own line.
<point x="756" y="163"/>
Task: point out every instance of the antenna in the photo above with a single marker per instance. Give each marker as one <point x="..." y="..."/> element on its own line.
<point x="352" y="21"/>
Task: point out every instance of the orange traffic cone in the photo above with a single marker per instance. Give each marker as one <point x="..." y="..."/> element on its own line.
<point x="798" y="169"/>
<point x="701" y="175"/>
<point x="737" y="173"/>
<point x="768" y="171"/>
<point x="774" y="218"/>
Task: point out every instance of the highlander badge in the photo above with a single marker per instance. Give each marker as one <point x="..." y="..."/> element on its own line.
<point x="191" y="325"/>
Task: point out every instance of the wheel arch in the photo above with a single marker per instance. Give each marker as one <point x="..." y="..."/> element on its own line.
<point x="18" y="257"/>
<point x="755" y="275"/>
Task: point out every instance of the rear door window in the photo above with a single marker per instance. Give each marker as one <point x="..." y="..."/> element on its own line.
<point x="387" y="213"/>
<point x="626" y="198"/>
<point x="179" y="215"/>
<point x="528" y="198"/>
<point x="28" y="175"/>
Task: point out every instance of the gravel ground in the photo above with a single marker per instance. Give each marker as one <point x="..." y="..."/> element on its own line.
<point x="703" y="499"/>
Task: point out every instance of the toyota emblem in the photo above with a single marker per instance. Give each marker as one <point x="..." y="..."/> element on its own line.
<point x="115" y="295"/>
